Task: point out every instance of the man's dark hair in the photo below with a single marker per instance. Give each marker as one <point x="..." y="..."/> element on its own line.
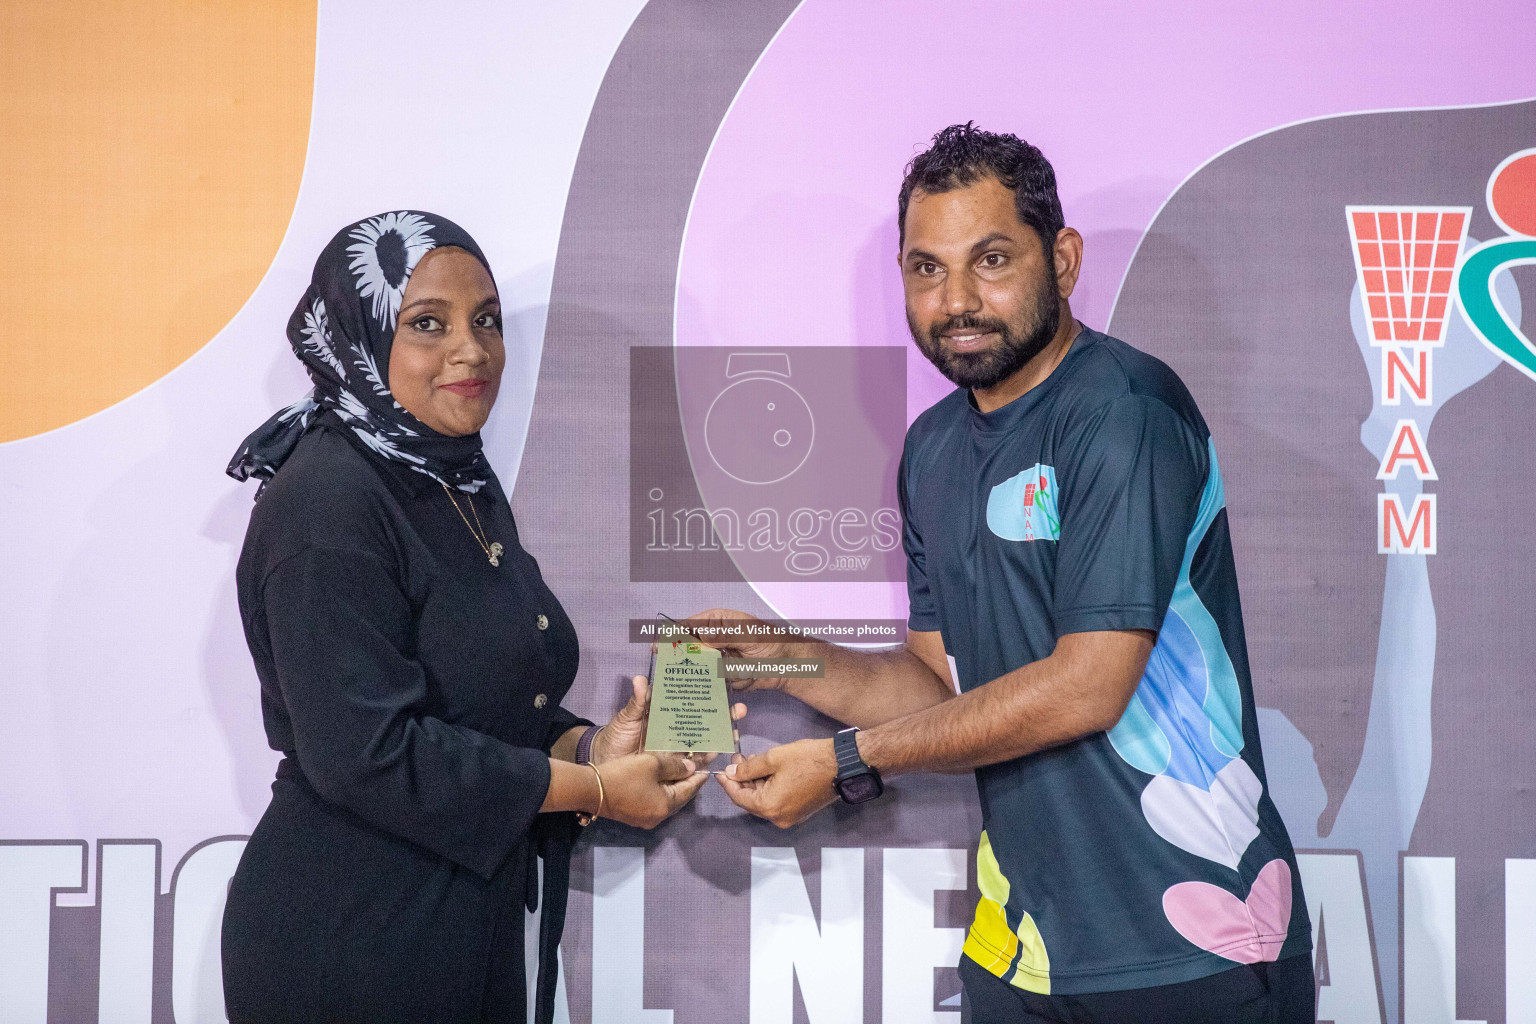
<point x="962" y="154"/>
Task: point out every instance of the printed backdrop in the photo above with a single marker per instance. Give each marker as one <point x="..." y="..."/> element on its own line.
<point x="1322" y="215"/>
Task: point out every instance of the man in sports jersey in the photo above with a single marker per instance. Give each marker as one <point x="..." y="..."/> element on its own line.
<point x="1070" y="571"/>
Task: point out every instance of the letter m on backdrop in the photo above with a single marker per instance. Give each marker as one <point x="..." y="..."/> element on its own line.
<point x="1406" y="532"/>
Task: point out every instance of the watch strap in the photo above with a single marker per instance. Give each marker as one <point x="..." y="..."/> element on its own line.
<point x="845" y="746"/>
<point x="584" y="744"/>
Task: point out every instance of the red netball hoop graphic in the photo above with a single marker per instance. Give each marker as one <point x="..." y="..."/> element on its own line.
<point x="1405" y="257"/>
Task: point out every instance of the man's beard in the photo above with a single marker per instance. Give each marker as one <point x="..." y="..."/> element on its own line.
<point x="1018" y="342"/>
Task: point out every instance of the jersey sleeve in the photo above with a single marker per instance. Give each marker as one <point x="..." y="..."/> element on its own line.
<point x="923" y="615"/>
<point x="1130" y="494"/>
<point x="340" y="635"/>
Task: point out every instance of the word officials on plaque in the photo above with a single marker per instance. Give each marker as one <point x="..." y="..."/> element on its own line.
<point x="690" y="704"/>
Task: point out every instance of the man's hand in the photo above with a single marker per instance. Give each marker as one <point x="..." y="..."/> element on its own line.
<point x="742" y="646"/>
<point x="784" y="785"/>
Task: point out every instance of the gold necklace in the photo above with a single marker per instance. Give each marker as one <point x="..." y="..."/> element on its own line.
<point x="493" y="550"/>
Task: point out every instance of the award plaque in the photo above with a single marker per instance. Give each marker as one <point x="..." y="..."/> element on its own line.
<point x="690" y="704"/>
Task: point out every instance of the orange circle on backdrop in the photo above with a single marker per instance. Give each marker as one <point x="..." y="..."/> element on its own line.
<point x="151" y="161"/>
<point x="1512" y="194"/>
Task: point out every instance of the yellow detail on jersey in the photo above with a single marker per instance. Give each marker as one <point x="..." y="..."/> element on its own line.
<point x="991" y="943"/>
<point x="994" y="945"/>
<point x="1034" y="973"/>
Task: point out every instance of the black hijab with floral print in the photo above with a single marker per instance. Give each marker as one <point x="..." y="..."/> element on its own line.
<point x="342" y="331"/>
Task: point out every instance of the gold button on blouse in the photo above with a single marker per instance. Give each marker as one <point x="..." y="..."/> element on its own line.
<point x="543" y="621"/>
<point x="540" y="701"/>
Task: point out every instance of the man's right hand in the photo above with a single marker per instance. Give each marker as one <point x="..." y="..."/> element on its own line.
<point x="862" y="688"/>
<point x="739" y="646"/>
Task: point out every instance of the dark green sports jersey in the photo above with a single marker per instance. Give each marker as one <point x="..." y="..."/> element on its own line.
<point x="1150" y="854"/>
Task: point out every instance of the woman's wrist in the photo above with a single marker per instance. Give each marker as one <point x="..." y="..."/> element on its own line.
<point x="582" y="817"/>
<point x="572" y="787"/>
<point x="564" y="748"/>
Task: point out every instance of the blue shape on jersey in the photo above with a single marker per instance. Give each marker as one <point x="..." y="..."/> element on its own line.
<point x="1185" y="718"/>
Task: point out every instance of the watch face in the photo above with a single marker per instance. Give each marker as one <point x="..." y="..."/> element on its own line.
<point x="856" y="789"/>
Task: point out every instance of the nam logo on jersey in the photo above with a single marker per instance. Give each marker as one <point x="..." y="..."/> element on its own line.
<point x="1023" y="507"/>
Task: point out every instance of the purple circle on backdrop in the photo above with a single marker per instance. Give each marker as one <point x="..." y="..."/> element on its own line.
<point x="791" y="237"/>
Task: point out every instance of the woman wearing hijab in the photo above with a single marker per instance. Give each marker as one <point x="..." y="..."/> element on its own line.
<point x="412" y="662"/>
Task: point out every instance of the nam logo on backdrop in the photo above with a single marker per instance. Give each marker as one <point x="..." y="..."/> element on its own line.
<point x="1410" y="272"/>
<point x="1405" y="259"/>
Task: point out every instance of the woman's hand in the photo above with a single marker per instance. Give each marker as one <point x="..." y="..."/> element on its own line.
<point x="625" y="732"/>
<point x="646" y="789"/>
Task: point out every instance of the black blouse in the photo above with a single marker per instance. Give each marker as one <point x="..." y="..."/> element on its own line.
<point x="414" y="689"/>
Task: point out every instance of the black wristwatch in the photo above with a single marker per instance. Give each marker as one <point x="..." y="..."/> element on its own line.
<point x="856" y="781"/>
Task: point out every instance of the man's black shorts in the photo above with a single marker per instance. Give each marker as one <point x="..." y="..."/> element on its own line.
<point x="1283" y="992"/>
